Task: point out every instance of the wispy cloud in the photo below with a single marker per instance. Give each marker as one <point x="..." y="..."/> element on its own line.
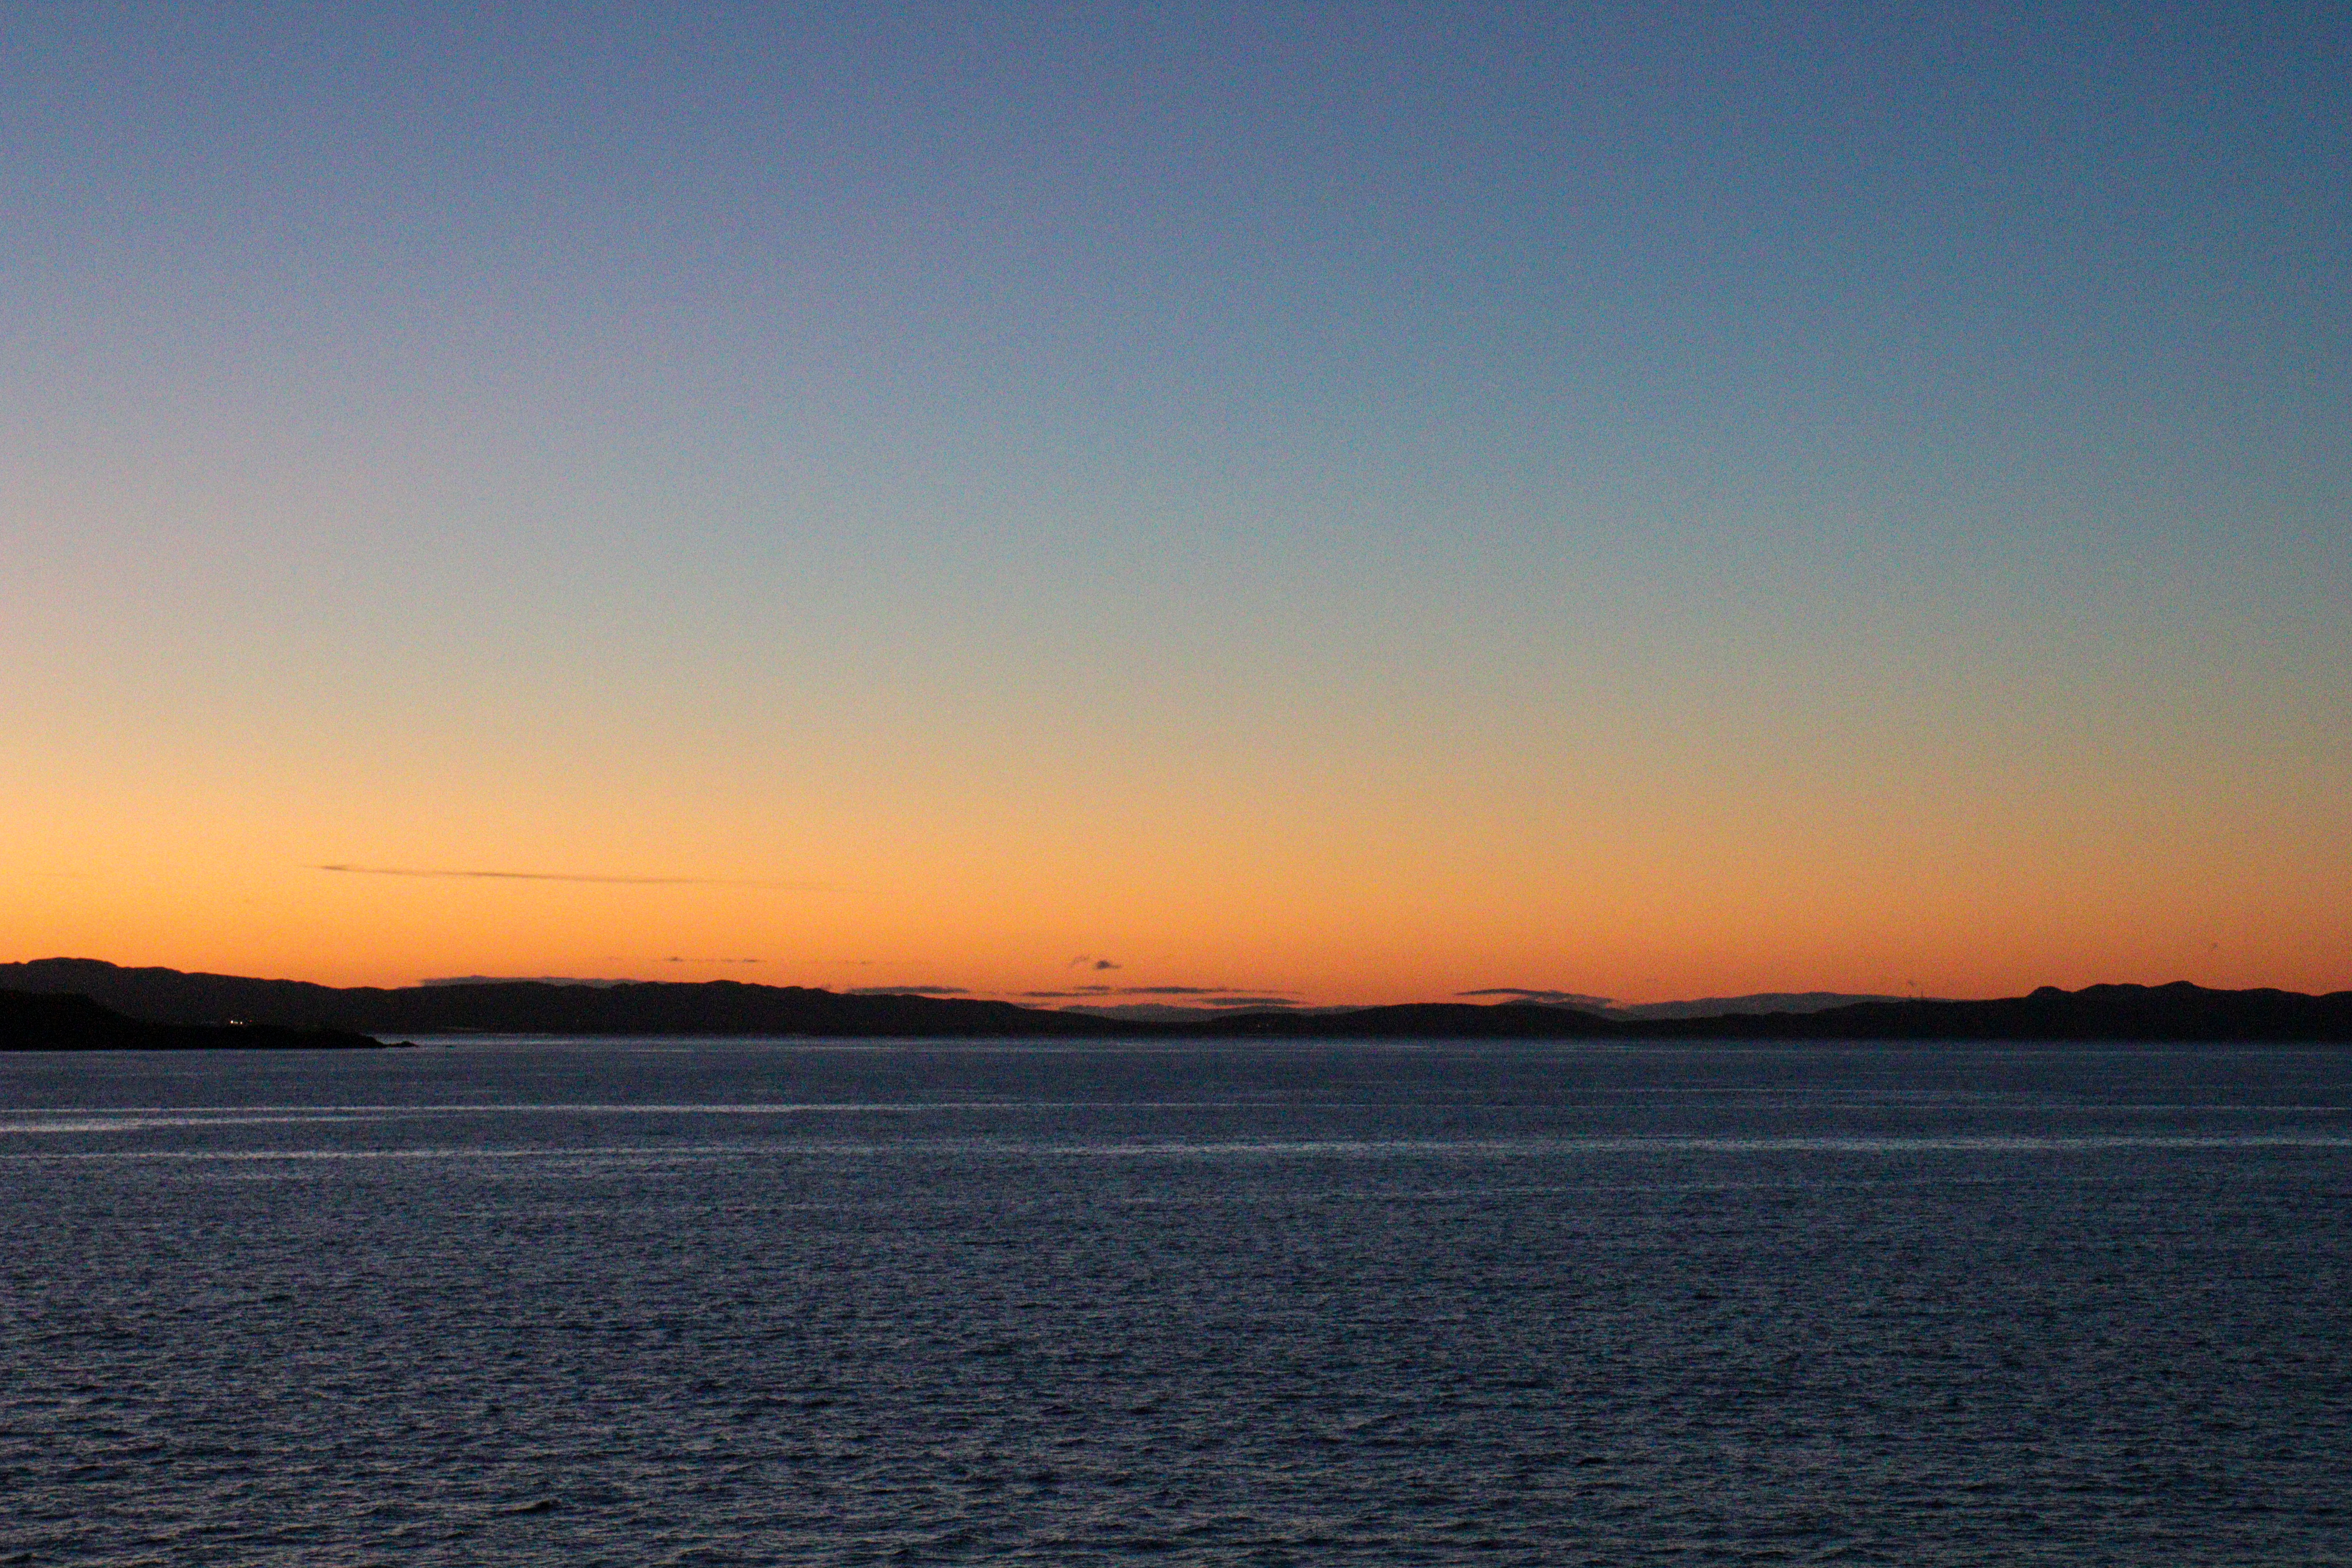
<point x="1175" y="990"/>
<point x="1249" y="1002"/>
<point x="1210" y="994"/>
<point x="1525" y="994"/>
<point x="905" y="991"/>
<point x="521" y="980"/>
<point x="1088" y="961"/>
<point x="570" y="876"/>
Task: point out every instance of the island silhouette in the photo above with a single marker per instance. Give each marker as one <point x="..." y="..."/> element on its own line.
<point x="78" y="1003"/>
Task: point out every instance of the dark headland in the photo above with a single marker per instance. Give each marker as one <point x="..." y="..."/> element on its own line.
<point x="69" y="1003"/>
<point x="37" y="1022"/>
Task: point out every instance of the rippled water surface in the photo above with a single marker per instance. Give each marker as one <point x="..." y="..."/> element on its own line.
<point x="654" y="1301"/>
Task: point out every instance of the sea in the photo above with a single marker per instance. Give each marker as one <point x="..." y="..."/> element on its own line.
<point x="680" y="1301"/>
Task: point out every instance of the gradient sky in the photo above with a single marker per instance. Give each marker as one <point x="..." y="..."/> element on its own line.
<point x="1345" y="502"/>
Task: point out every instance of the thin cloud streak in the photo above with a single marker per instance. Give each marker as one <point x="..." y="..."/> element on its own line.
<point x="574" y="877"/>
<point x="1203" y="991"/>
<point x="1531" y="994"/>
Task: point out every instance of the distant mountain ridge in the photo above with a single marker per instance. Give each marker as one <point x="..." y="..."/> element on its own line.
<point x="2179" y="1012"/>
<point x="1702" y="1007"/>
<point x="1740" y="1006"/>
<point x="534" y="1007"/>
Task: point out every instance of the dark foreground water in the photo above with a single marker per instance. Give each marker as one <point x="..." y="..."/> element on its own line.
<point x="666" y="1302"/>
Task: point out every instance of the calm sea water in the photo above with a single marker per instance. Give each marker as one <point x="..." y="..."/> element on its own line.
<point x="654" y="1301"/>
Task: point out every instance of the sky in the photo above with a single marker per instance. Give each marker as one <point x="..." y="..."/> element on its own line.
<point x="1343" y="503"/>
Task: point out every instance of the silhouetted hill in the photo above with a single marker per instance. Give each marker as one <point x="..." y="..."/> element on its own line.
<point x="1735" y="1006"/>
<point x="50" y="1022"/>
<point x="724" y="1007"/>
<point x="2179" y="1012"/>
<point x="534" y="1007"/>
<point x="1418" y="1021"/>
